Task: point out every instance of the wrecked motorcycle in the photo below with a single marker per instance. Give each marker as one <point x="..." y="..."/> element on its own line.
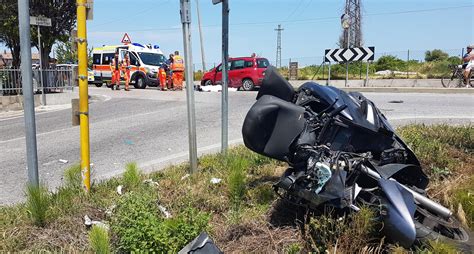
<point x="343" y="153"/>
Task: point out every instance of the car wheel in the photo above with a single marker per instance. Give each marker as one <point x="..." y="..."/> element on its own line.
<point x="247" y="85"/>
<point x="208" y="83"/>
<point x="140" y="82"/>
<point x="98" y="84"/>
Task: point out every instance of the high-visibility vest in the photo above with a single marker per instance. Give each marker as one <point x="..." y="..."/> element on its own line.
<point x="178" y="63"/>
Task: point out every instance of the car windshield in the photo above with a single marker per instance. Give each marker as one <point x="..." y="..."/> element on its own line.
<point x="152" y="58"/>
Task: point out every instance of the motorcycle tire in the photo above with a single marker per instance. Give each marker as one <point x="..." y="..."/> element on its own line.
<point x="432" y="227"/>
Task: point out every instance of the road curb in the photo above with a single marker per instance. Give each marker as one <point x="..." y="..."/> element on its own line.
<point x="409" y="90"/>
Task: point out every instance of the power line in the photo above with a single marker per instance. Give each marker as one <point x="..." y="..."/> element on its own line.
<point x="302" y="21"/>
<point x="294" y="11"/>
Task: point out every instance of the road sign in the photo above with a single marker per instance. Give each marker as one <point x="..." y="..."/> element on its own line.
<point x="126" y="39"/>
<point x="293" y="73"/>
<point x="40" y="21"/>
<point x="349" y="54"/>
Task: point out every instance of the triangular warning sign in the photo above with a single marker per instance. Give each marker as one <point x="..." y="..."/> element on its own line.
<point x="126" y="39"/>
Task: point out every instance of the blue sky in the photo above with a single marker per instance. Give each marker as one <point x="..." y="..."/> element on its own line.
<point x="310" y="26"/>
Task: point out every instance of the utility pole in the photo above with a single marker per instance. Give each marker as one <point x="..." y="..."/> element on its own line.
<point x="352" y="9"/>
<point x="278" y="51"/>
<point x="27" y="87"/>
<point x="186" y="21"/>
<point x="83" y="93"/>
<point x="200" y="38"/>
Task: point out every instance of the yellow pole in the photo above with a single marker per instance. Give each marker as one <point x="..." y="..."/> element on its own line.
<point x="83" y="93"/>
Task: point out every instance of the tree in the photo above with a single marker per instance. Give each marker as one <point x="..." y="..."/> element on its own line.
<point x="435" y="55"/>
<point x="390" y="62"/>
<point x="65" y="54"/>
<point x="9" y="31"/>
<point x="63" y="18"/>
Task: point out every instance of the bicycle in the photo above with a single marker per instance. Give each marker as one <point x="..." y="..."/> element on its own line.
<point x="457" y="77"/>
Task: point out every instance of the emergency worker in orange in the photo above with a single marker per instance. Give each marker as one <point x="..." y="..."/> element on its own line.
<point x="126" y="69"/>
<point x="115" y="68"/>
<point x="162" y="77"/>
<point x="177" y="68"/>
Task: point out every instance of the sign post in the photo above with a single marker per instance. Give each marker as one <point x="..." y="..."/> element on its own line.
<point x="225" y="70"/>
<point x="189" y="75"/>
<point x="41" y="21"/>
<point x="27" y="88"/>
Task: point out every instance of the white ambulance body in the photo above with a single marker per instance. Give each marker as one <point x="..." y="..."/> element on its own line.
<point x="144" y="61"/>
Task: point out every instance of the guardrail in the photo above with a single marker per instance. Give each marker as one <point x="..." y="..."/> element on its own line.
<point x="54" y="80"/>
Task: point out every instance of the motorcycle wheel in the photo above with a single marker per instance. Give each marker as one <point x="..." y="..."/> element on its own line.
<point x="432" y="227"/>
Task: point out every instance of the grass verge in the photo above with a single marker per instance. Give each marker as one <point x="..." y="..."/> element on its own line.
<point x="230" y="197"/>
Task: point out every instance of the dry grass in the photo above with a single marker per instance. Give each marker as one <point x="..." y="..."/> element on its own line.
<point x="263" y="224"/>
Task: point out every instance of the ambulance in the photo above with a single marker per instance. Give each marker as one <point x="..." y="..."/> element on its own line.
<point x="144" y="60"/>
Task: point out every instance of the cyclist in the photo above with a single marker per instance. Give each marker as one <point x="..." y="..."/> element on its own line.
<point x="468" y="62"/>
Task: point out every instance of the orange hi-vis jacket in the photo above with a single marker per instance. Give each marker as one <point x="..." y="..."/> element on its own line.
<point x="178" y="63"/>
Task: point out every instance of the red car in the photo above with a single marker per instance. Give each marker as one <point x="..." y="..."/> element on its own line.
<point x="244" y="72"/>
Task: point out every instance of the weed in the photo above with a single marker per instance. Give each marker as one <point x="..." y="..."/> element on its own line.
<point x="293" y="248"/>
<point x="73" y="177"/>
<point x="132" y="176"/>
<point x="236" y="181"/>
<point x="464" y="195"/>
<point x="38" y="202"/>
<point x="99" y="240"/>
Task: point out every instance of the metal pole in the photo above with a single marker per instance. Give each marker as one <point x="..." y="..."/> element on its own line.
<point x="408" y="62"/>
<point x="43" y="94"/>
<point x="27" y="87"/>
<point x="83" y="93"/>
<point x="200" y="38"/>
<point x="225" y="59"/>
<point x="329" y="74"/>
<point x="347" y="63"/>
<point x="367" y="74"/>
<point x="186" y="21"/>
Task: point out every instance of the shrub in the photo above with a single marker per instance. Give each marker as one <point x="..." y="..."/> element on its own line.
<point x="139" y="226"/>
<point x="99" y="240"/>
<point x="132" y="177"/>
<point x="38" y="202"/>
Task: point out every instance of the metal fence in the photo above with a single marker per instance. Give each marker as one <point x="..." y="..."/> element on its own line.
<point x="53" y="80"/>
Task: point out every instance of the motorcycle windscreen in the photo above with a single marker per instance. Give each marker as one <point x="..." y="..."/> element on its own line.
<point x="274" y="84"/>
<point x="271" y="126"/>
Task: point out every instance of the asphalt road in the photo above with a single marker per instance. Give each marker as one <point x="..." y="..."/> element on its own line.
<point x="150" y="128"/>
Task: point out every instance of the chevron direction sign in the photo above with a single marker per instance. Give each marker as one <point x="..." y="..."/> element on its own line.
<point x="349" y="54"/>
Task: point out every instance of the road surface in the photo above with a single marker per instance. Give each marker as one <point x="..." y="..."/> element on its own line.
<point x="150" y="128"/>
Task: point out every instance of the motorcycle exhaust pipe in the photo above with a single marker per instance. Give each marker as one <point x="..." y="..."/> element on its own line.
<point x="422" y="200"/>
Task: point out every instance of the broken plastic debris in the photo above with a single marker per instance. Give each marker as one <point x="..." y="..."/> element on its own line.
<point x="119" y="189"/>
<point x="87" y="221"/>
<point x="110" y="210"/>
<point x="164" y="211"/>
<point x="151" y="182"/>
<point x="128" y="141"/>
<point x="169" y="149"/>
<point x="216" y="88"/>
<point x="185" y="176"/>
<point x="215" y="180"/>
<point x="63" y="161"/>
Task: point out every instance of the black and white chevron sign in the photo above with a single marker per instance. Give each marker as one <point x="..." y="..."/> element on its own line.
<point x="349" y="54"/>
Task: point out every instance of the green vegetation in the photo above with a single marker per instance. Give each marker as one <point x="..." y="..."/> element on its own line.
<point x="99" y="240"/>
<point x="132" y="176"/>
<point x="436" y="65"/>
<point x="38" y="202"/>
<point x="241" y="212"/>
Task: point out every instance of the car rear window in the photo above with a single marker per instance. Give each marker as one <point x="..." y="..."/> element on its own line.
<point x="262" y="63"/>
